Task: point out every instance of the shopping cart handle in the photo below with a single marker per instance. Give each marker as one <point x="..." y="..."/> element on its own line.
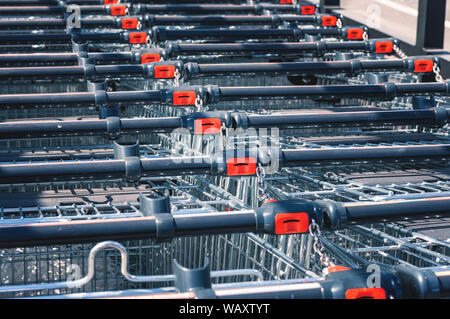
<point x="347" y="283"/>
<point x="276" y="218"/>
<point x="133" y="37"/>
<point x="214" y="8"/>
<point x="50" y="10"/>
<point x="424" y="283"/>
<point x="161" y="34"/>
<point x="350" y="67"/>
<point x="430" y="117"/>
<point x="238" y="162"/>
<point x="200" y="95"/>
<point x="272" y="19"/>
<point x="214" y="122"/>
<point x="383" y="91"/>
<point x="175" y="49"/>
<point x="339" y="215"/>
<point x="63" y="58"/>
<point x="156" y="70"/>
<point x="45" y="23"/>
<point x="287" y="216"/>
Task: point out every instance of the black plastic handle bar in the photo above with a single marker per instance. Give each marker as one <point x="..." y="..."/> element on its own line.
<point x="72" y="58"/>
<point x="350" y="67"/>
<point x="194" y="70"/>
<point x="158" y="222"/>
<point x="183" y="96"/>
<point x="51" y="10"/>
<point x="139" y="9"/>
<point x="273" y="19"/>
<point x="175" y="49"/>
<point x="166" y="20"/>
<point x="86" y="127"/>
<point x="275" y="217"/>
<point x="161" y="34"/>
<point x="81" y="98"/>
<point x="230" y="163"/>
<point x="99" y="2"/>
<point x="102" y="71"/>
<point x="341" y="214"/>
<point x="55" y="2"/>
<point x="383" y="91"/>
<point x="62" y="37"/>
<point x="58" y="23"/>
<point x="434" y="117"/>
<point x="126" y="228"/>
<point x="429" y="283"/>
<point x="339" y="283"/>
<point x="214" y="8"/>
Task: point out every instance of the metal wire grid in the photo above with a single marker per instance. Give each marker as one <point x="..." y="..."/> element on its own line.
<point x="355" y="245"/>
<point x="352" y="246"/>
<point x="388" y="243"/>
<point x="50" y="263"/>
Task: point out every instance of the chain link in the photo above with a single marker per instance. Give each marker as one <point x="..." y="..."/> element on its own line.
<point x="314" y="230"/>
<point x="199" y="103"/>
<point x="399" y="52"/>
<point x="339" y="23"/>
<point x="176" y="78"/>
<point x="437" y="72"/>
<point x="223" y="135"/>
<point x="149" y="41"/>
<point x="262" y="184"/>
<point x="365" y="36"/>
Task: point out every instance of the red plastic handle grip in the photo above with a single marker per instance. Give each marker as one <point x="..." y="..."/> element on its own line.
<point x="423" y="65"/>
<point x="355" y="34"/>
<point x="308" y="10"/>
<point x="130" y="23"/>
<point x="184" y="98"/>
<point x="241" y="166"/>
<point x="118" y="10"/>
<point x="337" y="268"/>
<point x="164" y="71"/>
<point x="150" y="57"/>
<point x="291" y="223"/>
<point x="138" y="37"/>
<point x="365" y="293"/>
<point x="208" y="126"/>
<point x="329" y="21"/>
<point x="383" y="47"/>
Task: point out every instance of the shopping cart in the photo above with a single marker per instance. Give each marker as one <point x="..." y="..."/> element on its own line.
<point x="353" y="152"/>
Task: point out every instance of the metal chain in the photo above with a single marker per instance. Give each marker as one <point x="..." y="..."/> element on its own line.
<point x="399" y="52"/>
<point x="149" y="41"/>
<point x="314" y="230"/>
<point x="199" y="103"/>
<point x="437" y="72"/>
<point x="223" y="135"/>
<point x="176" y="78"/>
<point x="365" y="36"/>
<point x="339" y="23"/>
<point x="262" y="184"/>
